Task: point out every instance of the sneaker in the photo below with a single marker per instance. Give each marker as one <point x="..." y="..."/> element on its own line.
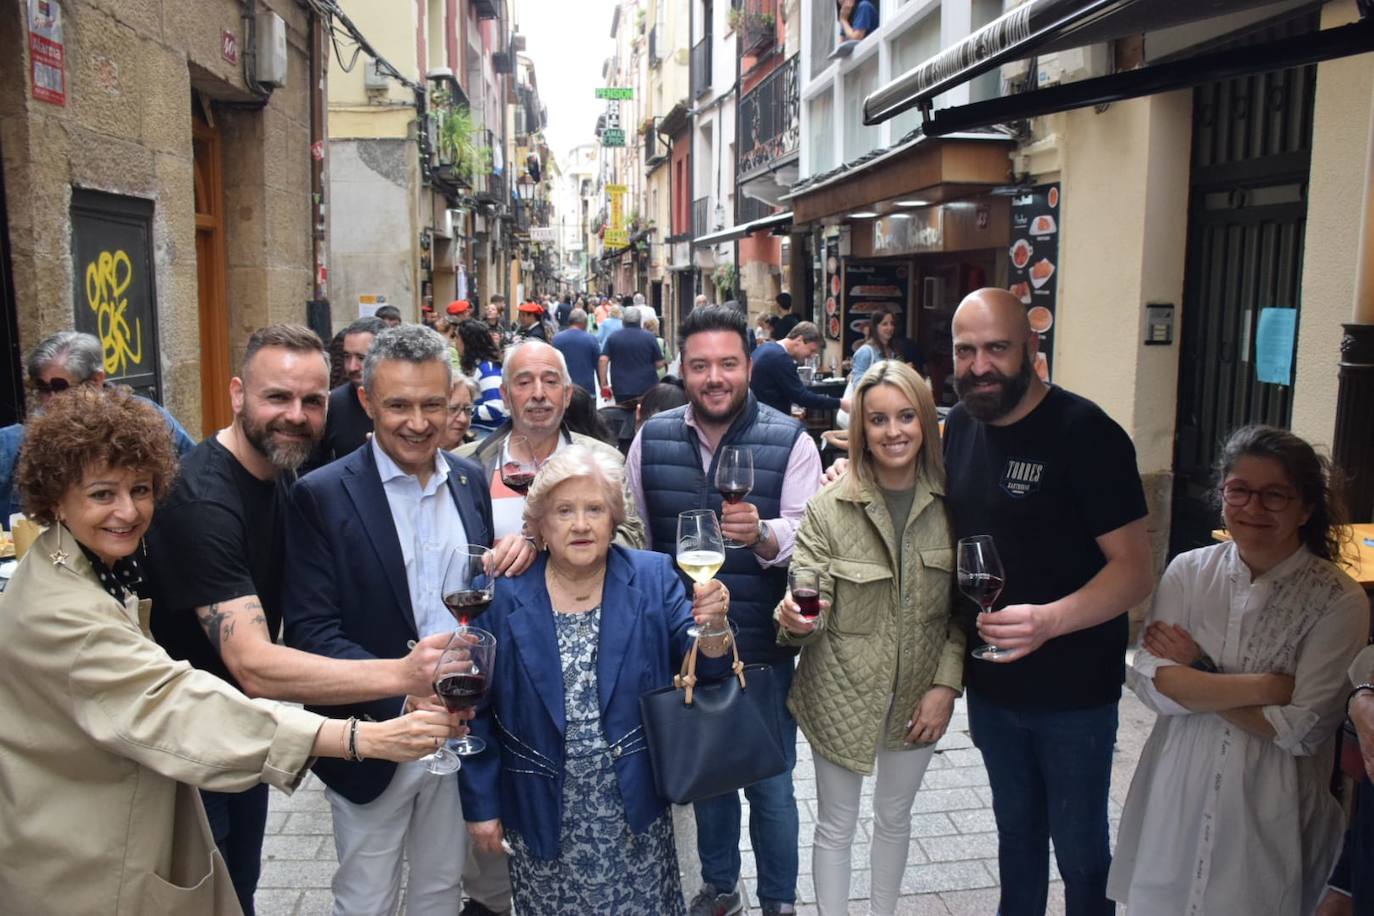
<point x="778" y="909"/>
<point x="709" y="901"/>
<point x="473" y="908"/>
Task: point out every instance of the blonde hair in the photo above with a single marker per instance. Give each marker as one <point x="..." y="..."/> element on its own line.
<point x="574" y="463"/>
<point x="930" y="460"/>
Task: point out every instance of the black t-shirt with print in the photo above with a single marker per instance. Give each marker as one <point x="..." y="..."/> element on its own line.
<point x="217" y="536"/>
<point x="1045" y="488"/>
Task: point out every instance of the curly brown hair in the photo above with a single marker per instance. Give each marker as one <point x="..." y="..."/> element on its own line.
<point x="87" y="427"/>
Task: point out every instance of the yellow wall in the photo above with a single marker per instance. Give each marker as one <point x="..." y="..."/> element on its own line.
<point x="1125" y="218"/>
<point x="1340" y="160"/>
<point x="390" y="28"/>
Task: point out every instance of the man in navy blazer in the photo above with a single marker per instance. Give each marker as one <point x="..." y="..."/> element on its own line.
<point x="368" y="540"/>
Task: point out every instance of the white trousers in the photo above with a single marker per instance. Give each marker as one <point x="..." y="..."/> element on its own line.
<point x="898" y="776"/>
<point x="419" y="817"/>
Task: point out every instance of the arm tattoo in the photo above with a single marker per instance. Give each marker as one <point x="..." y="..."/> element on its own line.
<point x="217" y="625"/>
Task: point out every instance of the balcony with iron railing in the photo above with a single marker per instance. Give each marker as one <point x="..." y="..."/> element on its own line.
<point x="701" y="209"/>
<point x="654" y="56"/>
<point x="770" y="120"/>
<point x="701" y="67"/>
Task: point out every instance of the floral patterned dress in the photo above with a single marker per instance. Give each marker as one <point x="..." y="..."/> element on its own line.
<point x="602" y="867"/>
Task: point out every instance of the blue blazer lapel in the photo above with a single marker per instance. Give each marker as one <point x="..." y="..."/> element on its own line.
<point x="364" y="487"/>
<point x="622" y="604"/>
<point x="534" y="642"/>
<point x="459" y="482"/>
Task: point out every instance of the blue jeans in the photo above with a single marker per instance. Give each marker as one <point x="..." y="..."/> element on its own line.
<point x="1050" y="772"/>
<point x="238" y="821"/>
<point x="773" y="822"/>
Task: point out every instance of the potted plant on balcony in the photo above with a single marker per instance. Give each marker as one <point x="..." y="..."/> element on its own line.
<point x="724" y="277"/>
<point x="461" y="158"/>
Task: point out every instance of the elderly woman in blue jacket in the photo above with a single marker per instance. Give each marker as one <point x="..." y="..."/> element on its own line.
<point x="565" y="779"/>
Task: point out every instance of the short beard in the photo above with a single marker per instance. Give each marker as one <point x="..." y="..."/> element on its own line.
<point x="284" y="456"/>
<point x="991" y="407"/>
<point x="726" y="416"/>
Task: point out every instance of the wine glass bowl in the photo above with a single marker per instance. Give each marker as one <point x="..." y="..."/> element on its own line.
<point x="981" y="579"/>
<point x="467" y="588"/>
<point x="518" y="464"/>
<point x="700" y="553"/>
<point x="734" y="478"/>
<point x="805" y="584"/>
<point x="461" y="681"/>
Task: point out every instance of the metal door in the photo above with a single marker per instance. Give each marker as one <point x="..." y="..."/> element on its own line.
<point x="1252" y="139"/>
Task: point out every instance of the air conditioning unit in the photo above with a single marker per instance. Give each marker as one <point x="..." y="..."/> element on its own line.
<point x="1069" y="66"/>
<point x="374" y="78"/>
<point x="271" y="50"/>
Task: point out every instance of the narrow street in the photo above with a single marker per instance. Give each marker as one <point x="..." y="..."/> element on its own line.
<point x="951" y="870"/>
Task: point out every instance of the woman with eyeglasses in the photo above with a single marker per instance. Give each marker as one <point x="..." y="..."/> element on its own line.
<point x="461" y="398"/>
<point x="1244" y="659"/>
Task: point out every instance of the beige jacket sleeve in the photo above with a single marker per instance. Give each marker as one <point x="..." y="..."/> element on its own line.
<point x="130" y="697"/>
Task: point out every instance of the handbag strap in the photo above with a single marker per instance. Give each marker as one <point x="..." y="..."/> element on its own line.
<point x="686" y="679"/>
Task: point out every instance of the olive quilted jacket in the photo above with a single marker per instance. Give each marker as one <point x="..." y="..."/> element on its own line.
<point x="890" y="633"/>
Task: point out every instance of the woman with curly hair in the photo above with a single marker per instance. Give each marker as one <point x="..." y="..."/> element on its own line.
<point x="480" y="361"/>
<point x="103" y="737"/>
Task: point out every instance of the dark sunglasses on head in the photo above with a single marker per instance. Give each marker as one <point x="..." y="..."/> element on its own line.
<point x="54" y="387"/>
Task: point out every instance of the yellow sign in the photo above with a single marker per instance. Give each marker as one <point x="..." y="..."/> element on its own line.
<point x="616" y="238"/>
<point x="617" y="194"/>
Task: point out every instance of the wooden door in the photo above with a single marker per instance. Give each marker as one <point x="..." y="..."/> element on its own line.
<point x="215" y="368"/>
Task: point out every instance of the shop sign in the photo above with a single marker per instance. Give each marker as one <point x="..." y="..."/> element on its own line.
<point x="541" y="234"/>
<point x="1034" y="262"/>
<point x="613" y="137"/>
<point x="616" y="238"/>
<point x="830" y="285"/>
<point x="619" y="93"/>
<point x="869" y="286"/>
<point x="112" y="260"/>
<point x="47" y="55"/>
<point x="916" y="232"/>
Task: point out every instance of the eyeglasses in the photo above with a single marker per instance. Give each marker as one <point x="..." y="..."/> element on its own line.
<point x="1272" y="499"/>
<point x="465" y="411"/>
<point x="56" y="386"/>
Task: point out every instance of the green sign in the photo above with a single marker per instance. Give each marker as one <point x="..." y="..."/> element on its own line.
<point x="612" y="136"/>
<point x="621" y="93"/>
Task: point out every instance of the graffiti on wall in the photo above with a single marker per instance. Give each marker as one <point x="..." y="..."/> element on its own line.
<point x="114" y="289"/>
<point x="108" y="277"/>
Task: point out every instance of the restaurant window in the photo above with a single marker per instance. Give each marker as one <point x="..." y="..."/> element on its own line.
<point x="820" y="136"/>
<point x="858" y="83"/>
<point x="913" y="47"/>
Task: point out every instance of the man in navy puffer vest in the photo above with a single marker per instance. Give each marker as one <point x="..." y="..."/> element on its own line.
<point x="671" y="469"/>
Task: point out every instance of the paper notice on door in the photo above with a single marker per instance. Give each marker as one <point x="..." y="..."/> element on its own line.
<point x="1274" y="340"/>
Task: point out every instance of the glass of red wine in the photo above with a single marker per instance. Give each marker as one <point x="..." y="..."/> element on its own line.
<point x="467" y="588"/>
<point x="518" y="465"/>
<point x="981" y="579"/>
<point x="734" y="478"/>
<point x="461" y="680"/>
<point x="805" y="585"/>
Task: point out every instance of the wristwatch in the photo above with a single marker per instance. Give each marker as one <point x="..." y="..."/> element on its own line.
<point x="764" y="533"/>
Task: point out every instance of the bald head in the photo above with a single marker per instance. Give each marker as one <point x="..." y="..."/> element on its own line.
<point x="997" y="306"/>
<point x="994" y="357"/>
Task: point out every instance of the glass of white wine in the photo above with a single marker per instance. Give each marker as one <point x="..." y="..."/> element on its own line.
<point x="700" y="554"/>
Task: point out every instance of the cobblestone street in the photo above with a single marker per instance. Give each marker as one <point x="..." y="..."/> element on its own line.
<point x="951" y="871"/>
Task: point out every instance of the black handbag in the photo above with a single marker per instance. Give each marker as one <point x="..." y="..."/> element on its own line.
<point x="711" y="737"/>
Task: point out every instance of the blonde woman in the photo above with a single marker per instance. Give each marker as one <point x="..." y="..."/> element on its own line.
<point x="882" y="665"/>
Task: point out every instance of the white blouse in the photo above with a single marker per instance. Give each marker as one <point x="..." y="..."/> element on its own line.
<point x="1219" y="820"/>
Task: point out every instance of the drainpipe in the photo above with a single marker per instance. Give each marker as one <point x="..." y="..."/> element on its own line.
<point x="318" y="144"/>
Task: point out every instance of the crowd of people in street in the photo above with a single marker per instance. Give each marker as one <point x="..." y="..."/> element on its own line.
<point x="185" y="601"/>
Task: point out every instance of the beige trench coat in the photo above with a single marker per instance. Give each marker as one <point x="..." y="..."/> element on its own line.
<point x="882" y="641"/>
<point x="102" y="736"/>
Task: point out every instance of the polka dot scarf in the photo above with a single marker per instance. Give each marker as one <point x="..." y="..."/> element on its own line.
<point x="120" y="581"/>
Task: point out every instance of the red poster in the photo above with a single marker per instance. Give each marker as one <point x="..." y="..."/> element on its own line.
<point x="46" y="53"/>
